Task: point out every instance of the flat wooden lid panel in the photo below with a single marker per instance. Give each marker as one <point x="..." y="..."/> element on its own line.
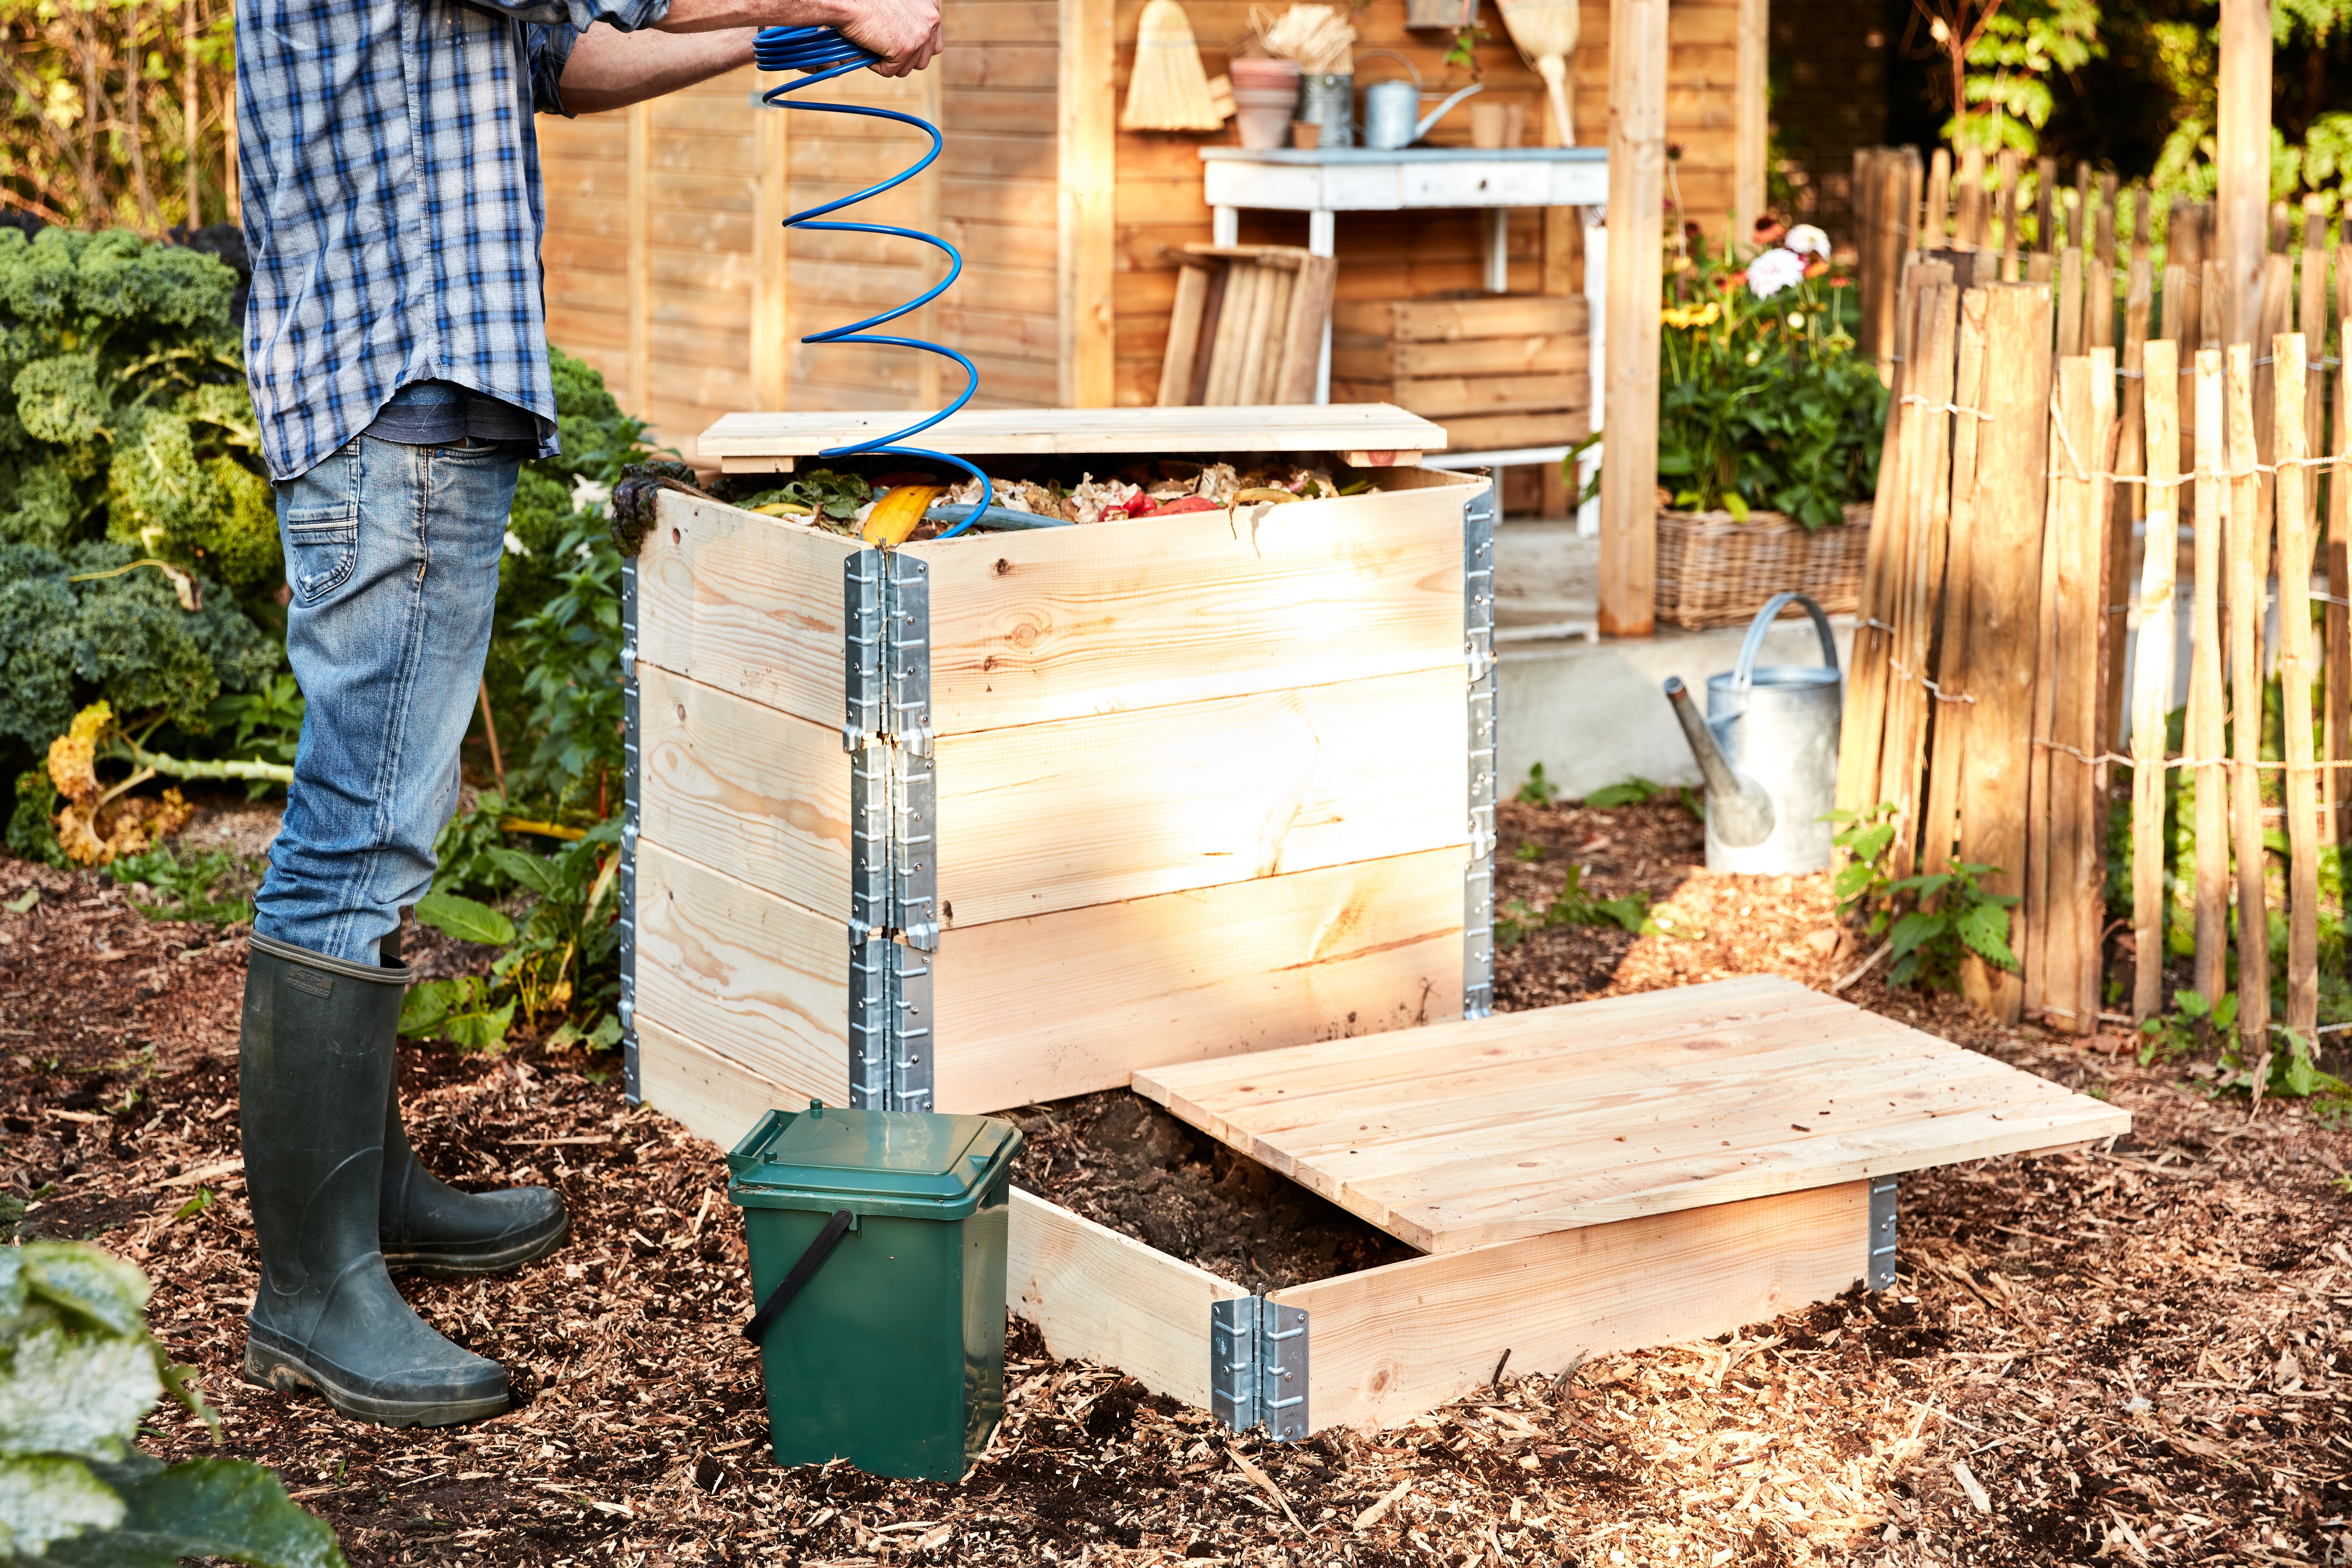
<point x="1177" y="431"/>
<point x="1457" y="1135"/>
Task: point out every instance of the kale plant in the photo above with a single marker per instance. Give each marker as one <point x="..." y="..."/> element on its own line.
<point x="123" y="410"/>
<point x="78" y="1372"/>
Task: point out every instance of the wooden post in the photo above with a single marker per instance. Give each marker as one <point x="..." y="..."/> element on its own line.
<point x="1751" y="130"/>
<point x="1563" y="267"/>
<point x="2339" y="561"/>
<point x="2152" y="675"/>
<point x="1087" y="177"/>
<point x="2249" y="574"/>
<point x="2008" y="177"/>
<point x="2242" y="163"/>
<point x="2204" y="738"/>
<point x="771" y="349"/>
<point x="1926" y="474"/>
<point x="2310" y="320"/>
<point x="1935" y="217"/>
<point x="1971" y="218"/>
<point x="641" y="260"/>
<point x="2099" y="274"/>
<point x="1940" y="822"/>
<point x="1637" y="162"/>
<point x="2295" y="668"/>
<point x="2004" y="591"/>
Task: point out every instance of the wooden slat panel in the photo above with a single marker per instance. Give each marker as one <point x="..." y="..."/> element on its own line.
<point x="746" y="603"/>
<point x="1364" y="359"/>
<point x="1318" y="954"/>
<point x="734" y="784"/>
<point x="755" y="978"/>
<point x="1097" y="1295"/>
<point x="1451" y="397"/>
<point x="1393" y="1342"/>
<point x="713" y="1096"/>
<point x="1464" y="1135"/>
<point x="1095" y="810"/>
<point x="1058" y="623"/>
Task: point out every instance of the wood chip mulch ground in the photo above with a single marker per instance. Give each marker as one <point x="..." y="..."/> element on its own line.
<point x="2134" y="1356"/>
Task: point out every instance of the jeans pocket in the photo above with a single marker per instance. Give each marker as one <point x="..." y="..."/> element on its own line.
<point x="320" y="551"/>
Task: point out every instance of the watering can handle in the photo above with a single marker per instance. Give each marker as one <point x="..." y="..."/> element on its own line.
<point x="1743" y="675"/>
<point x="1363" y="55"/>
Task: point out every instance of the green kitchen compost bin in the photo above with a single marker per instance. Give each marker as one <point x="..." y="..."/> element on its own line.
<point x="891" y="1353"/>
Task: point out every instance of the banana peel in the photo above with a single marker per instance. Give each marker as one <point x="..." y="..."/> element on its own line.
<point x="1258" y="493"/>
<point x="785" y="509"/>
<point x="895" y="515"/>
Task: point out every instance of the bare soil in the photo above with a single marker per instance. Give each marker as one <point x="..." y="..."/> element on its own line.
<point x="2129" y="1356"/>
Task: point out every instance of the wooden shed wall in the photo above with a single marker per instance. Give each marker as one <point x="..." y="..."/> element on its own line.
<point x="677" y="283"/>
<point x="1404" y="255"/>
<point x="709" y="319"/>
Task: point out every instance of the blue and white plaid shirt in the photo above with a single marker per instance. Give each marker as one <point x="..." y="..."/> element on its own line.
<point x="391" y="204"/>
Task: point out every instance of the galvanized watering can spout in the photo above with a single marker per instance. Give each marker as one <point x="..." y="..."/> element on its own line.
<point x="1434" y="115"/>
<point x="1738" y="811"/>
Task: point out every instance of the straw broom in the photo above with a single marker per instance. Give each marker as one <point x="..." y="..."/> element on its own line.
<point x="1545" y="31"/>
<point x="1168" y="91"/>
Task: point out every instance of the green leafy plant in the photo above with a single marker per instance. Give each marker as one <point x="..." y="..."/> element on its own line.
<point x="121" y="367"/>
<point x="1573" y="906"/>
<point x="457" y="1010"/>
<point x="2195" y="1024"/>
<point x="569" y="653"/>
<point x="1632" y="791"/>
<point x="212" y="886"/>
<point x="78" y="1371"/>
<point x="1930" y="921"/>
<point x="1529" y="852"/>
<point x="1463" y="52"/>
<point x="562" y="959"/>
<point x="1762" y="402"/>
<point x="1539" y="790"/>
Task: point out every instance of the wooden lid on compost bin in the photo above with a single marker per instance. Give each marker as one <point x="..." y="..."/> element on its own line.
<point x="1455" y="1135"/>
<point x="1366" y="434"/>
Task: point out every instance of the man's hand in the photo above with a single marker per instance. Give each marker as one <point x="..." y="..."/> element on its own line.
<point x="905" y="33"/>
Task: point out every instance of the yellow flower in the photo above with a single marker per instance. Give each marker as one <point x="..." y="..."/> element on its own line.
<point x="1704" y="315"/>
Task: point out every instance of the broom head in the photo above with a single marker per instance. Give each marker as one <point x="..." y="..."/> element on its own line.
<point x="1168" y="91"/>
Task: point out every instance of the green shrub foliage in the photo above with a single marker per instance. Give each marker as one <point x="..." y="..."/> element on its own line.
<point x="123" y="410"/>
<point x="78" y="1371"/>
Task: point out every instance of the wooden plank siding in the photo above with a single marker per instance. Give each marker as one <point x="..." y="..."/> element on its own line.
<point x="996" y="195"/>
<point x="1398" y="256"/>
<point x="991" y="194"/>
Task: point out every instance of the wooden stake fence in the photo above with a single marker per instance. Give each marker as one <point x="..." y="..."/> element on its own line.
<point x="2018" y="456"/>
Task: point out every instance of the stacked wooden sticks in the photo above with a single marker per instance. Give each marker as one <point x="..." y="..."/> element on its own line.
<point x="1986" y="696"/>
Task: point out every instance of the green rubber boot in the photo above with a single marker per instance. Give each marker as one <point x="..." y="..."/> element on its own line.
<point x="431" y="1227"/>
<point x="315" y="1069"/>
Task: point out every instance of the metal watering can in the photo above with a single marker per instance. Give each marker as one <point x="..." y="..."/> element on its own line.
<point x="1390" y="107"/>
<point x="1769" y="747"/>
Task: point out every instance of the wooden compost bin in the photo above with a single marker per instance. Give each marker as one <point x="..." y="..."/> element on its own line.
<point x="1099" y="797"/>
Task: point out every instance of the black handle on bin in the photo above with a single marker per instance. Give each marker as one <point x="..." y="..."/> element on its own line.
<point x="810" y="1262"/>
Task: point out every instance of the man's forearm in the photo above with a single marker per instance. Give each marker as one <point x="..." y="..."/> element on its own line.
<point x="719" y="15"/>
<point x="610" y="70"/>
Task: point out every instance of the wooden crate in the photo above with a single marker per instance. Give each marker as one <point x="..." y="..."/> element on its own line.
<point x="1498" y="372"/>
<point x="1640" y="1170"/>
<point x="1103" y="796"/>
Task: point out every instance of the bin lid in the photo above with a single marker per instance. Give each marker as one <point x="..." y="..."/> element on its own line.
<point x="872" y="1162"/>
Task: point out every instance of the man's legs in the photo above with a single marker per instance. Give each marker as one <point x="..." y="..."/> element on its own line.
<point x="392" y="557"/>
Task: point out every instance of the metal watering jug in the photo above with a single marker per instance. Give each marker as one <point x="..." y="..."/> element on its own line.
<point x="1393" y="117"/>
<point x="1769" y="747"/>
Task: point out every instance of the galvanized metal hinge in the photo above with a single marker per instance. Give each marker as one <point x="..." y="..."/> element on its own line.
<point x="1881" y="1275"/>
<point x="1257" y="1367"/>
<point x="894" y="868"/>
<point x="631" y="1084"/>
<point x="1478" y="659"/>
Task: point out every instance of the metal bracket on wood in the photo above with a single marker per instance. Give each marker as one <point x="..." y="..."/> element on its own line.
<point x="1881" y="1275"/>
<point x="1478" y="658"/>
<point x="631" y="1085"/>
<point x="894" y="873"/>
<point x="1257" y="1367"/>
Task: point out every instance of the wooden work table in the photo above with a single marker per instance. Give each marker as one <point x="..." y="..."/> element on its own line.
<point x="1325" y="182"/>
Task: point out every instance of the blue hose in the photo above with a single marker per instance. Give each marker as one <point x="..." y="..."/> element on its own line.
<point x="822" y="54"/>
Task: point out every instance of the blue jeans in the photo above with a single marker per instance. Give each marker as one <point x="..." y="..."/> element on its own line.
<point x="392" y="558"/>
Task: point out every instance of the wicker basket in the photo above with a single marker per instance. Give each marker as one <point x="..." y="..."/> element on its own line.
<point x="1712" y="571"/>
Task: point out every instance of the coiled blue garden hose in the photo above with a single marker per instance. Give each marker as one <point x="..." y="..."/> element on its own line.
<point x="821" y="54"/>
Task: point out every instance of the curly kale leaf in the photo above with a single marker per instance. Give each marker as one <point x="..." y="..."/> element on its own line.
<point x="210" y="510"/>
<point x="61" y="400"/>
<point x="124" y="638"/>
<point x="39" y="504"/>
